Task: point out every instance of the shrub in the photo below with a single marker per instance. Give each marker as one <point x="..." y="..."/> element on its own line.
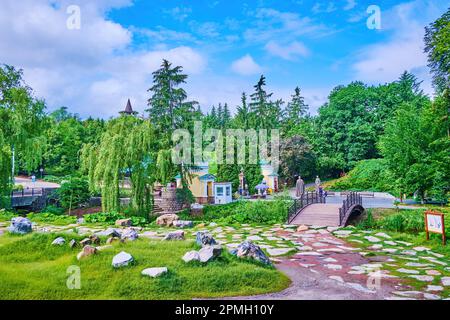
<point x="368" y="175"/>
<point x="51" y="218"/>
<point x="266" y="212"/>
<point x="54" y="210"/>
<point x="103" y="217"/>
<point x="410" y="221"/>
<point x="73" y="193"/>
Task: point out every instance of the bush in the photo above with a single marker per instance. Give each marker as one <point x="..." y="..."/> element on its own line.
<point x="185" y="196"/>
<point x="51" y="218"/>
<point x="54" y="210"/>
<point x="368" y="175"/>
<point x="73" y="193"/>
<point x="410" y="221"/>
<point x="265" y="212"/>
<point x="103" y="217"/>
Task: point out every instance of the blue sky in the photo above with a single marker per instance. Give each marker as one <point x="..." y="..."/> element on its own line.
<point x="224" y="46"/>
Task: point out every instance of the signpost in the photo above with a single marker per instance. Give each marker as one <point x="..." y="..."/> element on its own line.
<point x="434" y="223"/>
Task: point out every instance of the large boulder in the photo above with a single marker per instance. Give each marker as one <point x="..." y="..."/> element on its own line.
<point x="129" y="234"/>
<point x="191" y="256"/>
<point x="86" y="252"/>
<point x="208" y="253"/>
<point x="204" y="238"/>
<point x="176" y="235"/>
<point x="123" y="223"/>
<point x="183" y="224"/>
<point x="248" y="249"/>
<point x="167" y="220"/>
<point x="154" y="272"/>
<point x="122" y="259"/>
<point x="20" y="225"/>
<point x="59" y="241"/>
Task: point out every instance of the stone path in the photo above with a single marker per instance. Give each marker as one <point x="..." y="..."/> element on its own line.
<point x="325" y="263"/>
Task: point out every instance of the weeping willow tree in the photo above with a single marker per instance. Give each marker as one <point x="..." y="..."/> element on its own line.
<point x="127" y="148"/>
<point x="22" y="120"/>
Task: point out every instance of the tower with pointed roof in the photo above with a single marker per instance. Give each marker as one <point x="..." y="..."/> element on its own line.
<point x="128" y="110"/>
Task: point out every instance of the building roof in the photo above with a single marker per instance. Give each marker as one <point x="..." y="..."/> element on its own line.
<point x="128" y="109"/>
<point x="207" y="176"/>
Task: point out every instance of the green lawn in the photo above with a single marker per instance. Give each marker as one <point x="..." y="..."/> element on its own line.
<point x="31" y="268"/>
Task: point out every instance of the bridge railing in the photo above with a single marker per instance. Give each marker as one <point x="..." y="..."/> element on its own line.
<point x="307" y="199"/>
<point x="27" y="192"/>
<point x="353" y="198"/>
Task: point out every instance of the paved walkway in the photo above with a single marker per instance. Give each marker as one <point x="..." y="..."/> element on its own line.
<point x="27" y="183"/>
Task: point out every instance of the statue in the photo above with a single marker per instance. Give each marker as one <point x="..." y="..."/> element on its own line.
<point x="299" y="187"/>
<point x="318" y="183"/>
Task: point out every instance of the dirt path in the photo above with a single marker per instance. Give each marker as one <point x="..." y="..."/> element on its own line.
<point x="330" y="269"/>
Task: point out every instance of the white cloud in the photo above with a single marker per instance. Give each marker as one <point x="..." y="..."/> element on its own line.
<point x="246" y="66"/>
<point x="287" y="52"/>
<point x="384" y="62"/>
<point x="350" y="5"/>
<point x="93" y="71"/>
<point x="272" y="24"/>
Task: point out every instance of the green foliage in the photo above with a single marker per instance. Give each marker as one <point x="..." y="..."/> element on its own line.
<point x="127" y="147"/>
<point x="22" y="121"/>
<point x="437" y="46"/>
<point x="51" y="218"/>
<point x="264" y="212"/>
<point x="416" y="148"/>
<point x="54" y="210"/>
<point x="368" y="175"/>
<point x="409" y="221"/>
<point x="73" y="193"/>
<point x="296" y="158"/>
<point x="184" y="195"/>
<point x="103" y="217"/>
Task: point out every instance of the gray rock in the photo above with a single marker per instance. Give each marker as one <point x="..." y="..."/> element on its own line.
<point x="208" y="253"/>
<point x="191" y="256"/>
<point x="154" y="272"/>
<point x="110" y="232"/>
<point x="248" y="249"/>
<point x="122" y="259"/>
<point x="73" y="243"/>
<point x="20" y="225"/>
<point x="183" y="224"/>
<point x="59" y="241"/>
<point x="176" y="235"/>
<point x="204" y="238"/>
<point x="129" y="234"/>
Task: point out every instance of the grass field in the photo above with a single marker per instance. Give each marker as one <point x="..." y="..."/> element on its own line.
<point x="31" y="268"/>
